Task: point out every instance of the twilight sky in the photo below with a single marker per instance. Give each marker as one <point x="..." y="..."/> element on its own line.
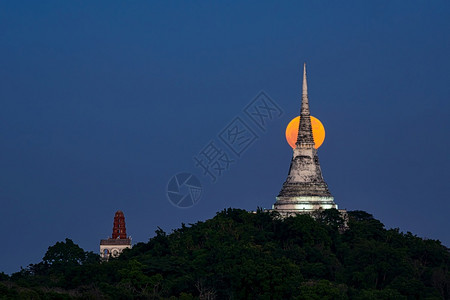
<point x="102" y="103"/>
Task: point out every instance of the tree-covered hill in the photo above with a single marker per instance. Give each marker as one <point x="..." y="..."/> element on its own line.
<point x="243" y="255"/>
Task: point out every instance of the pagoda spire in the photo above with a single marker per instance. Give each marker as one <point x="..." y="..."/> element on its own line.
<point x="305" y="136"/>
<point x="305" y="83"/>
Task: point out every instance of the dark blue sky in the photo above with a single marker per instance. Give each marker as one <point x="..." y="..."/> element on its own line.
<point x="101" y="103"/>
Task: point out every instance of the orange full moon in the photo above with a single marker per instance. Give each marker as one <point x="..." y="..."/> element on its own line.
<point x="317" y="129"/>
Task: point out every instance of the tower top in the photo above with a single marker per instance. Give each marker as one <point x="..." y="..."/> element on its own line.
<point x="305" y="84"/>
<point x="119" y="229"/>
<point x="305" y="136"/>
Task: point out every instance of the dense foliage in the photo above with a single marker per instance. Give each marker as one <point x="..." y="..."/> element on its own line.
<point x="243" y="255"/>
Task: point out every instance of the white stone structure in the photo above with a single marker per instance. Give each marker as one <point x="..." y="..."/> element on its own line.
<point x="113" y="247"/>
<point x="305" y="190"/>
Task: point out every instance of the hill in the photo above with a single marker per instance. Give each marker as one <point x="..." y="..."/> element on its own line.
<point x="243" y="255"/>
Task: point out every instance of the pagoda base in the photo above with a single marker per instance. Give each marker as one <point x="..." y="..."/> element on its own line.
<point x="287" y="206"/>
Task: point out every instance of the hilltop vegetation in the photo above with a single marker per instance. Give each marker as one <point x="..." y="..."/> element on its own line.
<point x="242" y="255"/>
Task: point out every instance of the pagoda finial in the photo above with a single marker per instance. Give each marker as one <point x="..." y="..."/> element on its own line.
<point x="305" y="136"/>
<point x="305" y="84"/>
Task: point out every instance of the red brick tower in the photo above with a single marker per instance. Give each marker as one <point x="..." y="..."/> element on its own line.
<point x="119" y="229"/>
<point x="113" y="246"/>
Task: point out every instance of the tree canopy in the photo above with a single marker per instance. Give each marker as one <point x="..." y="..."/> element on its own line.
<point x="244" y="255"/>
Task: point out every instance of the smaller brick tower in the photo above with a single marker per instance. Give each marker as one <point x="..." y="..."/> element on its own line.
<point x="113" y="246"/>
<point x="119" y="229"/>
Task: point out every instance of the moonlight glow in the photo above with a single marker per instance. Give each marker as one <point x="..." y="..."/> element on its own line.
<point x="317" y="129"/>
